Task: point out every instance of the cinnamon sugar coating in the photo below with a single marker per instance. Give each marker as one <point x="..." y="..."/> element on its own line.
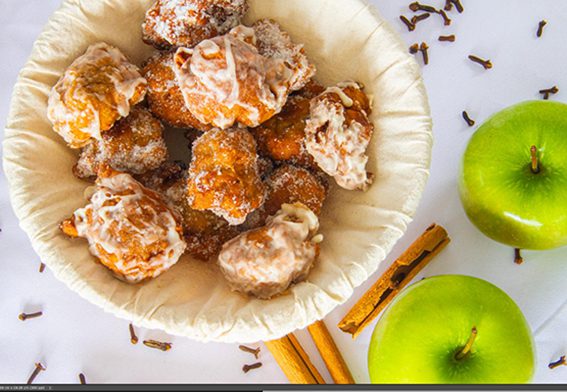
<point x="289" y="184"/>
<point x="135" y="144"/>
<point x="174" y="23"/>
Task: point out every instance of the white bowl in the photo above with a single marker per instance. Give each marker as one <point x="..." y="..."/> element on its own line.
<point x="346" y="39"/>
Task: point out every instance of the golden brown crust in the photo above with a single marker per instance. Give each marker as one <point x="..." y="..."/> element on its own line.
<point x="165" y="100"/>
<point x="282" y="137"/>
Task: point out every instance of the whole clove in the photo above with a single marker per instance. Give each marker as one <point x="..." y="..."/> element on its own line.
<point x="418" y="18"/>
<point x="446" y="19"/>
<point x="247" y="368"/>
<point x="447" y="38"/>
<point x="133" y="337"/>
<point x="518" y="259"/>
<point x="25" y="316"/>
<point x="82" y="379"/>
<point x="416" y="6"/>
<point x="560" y="362"/>
<point x="253" y="351"/>
<point x="413" y="49"/>
<point x="41" y="268"/>
<point x="487" y="64"/>
<point x="540" y="27"/>
<point x="158" y="345"/>
<point x="408" y="23"/>
<point x="457" y="3"/>
<point x="546" y="92"/>
<point x="468" y="120"/>
<point x="38" y="369"/>
<point x="423" y="49"/>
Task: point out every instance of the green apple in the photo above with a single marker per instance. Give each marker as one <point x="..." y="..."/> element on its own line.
<point x="451" y="329"/>
<point x="513" y="180"/>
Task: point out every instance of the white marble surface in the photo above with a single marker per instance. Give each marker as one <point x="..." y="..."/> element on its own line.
<point x="74" y="336"/>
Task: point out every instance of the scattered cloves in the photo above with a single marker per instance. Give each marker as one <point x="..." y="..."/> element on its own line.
<point x="25" y="316"/>
<point x="418" y="18"/>
<point x="413" y="49"/>
<point x="447" y="38"/>
<point x="423" y="49"/>
<point x="157" y="345"/>
<point x="540" y="27"/>
<point x="416" y="6"/>
<point x="468" y="120"/>
<point x="41" y="268"/>
<point x="38" y="368"/>
<point x="247" y="368"/>
<point x="518" y="259"/>
<point x="487" y="64"/>
<point x="133" y="337"/>
<point x="560" y="362"/>
<point x="408" y="23"/>
<point x="547" y="91"/>
<point x="253" y="351"/>
<point x="82" y="379"/>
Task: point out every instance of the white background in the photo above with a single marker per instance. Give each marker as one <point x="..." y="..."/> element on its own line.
<point x="75" y="336"/>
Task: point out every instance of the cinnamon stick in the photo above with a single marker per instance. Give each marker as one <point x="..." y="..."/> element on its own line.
<point x="330" y="353"/>
<point x="293" y="361"/>
<point x="400" y="273"/>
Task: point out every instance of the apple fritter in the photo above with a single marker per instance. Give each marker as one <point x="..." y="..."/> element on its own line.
<point x="130" y="228"/>
<point x="238" y="78"/>
<point x="97" y="89"/>
<point x="265" y="261"/>
<point x="223" y="174"/>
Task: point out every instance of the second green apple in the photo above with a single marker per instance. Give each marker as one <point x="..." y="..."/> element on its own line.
<point x="513" y="180"/>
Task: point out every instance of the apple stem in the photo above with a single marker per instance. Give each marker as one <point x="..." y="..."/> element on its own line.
<point x="518" y="259"/>
<point x="467" y="349"/>
<point x="535" y="160"/>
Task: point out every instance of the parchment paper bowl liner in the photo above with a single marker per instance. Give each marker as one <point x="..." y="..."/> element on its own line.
<point x="346" y="39"/>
